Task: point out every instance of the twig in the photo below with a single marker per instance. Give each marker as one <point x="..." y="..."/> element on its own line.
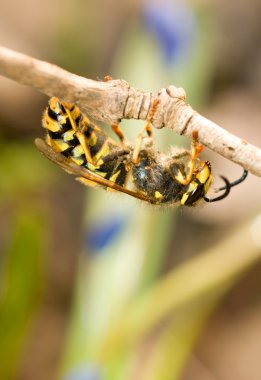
<point x="114" y="100"/>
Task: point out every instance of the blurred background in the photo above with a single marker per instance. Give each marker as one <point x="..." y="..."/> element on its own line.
<point x="98" y="286"/>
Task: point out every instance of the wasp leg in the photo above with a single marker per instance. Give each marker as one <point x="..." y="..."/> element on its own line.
<point x="118" y="131"/>
<point x="147" y="129"/>
<point x="79" y="131"/>
<point x="196" y="149"/>
<point x="179" y="154"/>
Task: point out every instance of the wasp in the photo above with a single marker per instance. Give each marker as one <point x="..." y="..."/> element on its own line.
<point x="82" y="148"/>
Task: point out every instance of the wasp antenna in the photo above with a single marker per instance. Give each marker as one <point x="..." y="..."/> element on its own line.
<point x="224" y="195"/>
<point x="237" y="182"/>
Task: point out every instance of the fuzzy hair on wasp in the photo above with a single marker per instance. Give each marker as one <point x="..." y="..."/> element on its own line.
<point x="82" y="148"/>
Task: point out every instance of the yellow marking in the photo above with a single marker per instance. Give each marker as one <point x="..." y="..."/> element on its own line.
<point x="92" y="140"/>
<point x="77" y="151"/>
<point x="114" y="176"/>
<point x="62" y="119"/>
<point x="75" y="112"/>
<point x="53" y="125"/>
<point x="101" y="174"/>
<point x="60" y="145"/>
<point x="186" y="195"/>
<point x="204" y="174"/>
<point x="91" y="166"/>
<point x="208" y="184"/>
<point x="184" y="199"/>
<point x="179" y="177"/>
<point x="103" y="152"/>
<point x="95" y="169"/>
<point x="69" y="135"/>
<point x="158" y="195"/>
<point x="50" y="124"/>
<point x="192" y="186"/>
<point x="77" y="160"/>
<point x="51" y="143"/>
<point x="55" y="105"/>
<point x="99" y="163"/>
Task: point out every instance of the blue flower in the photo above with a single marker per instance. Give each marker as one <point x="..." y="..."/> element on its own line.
<point x="104" y="232"/>
<point x="173" y="24"/>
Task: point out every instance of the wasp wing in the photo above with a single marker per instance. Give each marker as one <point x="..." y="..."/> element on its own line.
<point x="81" y="172"/>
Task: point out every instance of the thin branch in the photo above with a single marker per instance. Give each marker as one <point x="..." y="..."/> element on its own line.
<point x="114" y="100"/>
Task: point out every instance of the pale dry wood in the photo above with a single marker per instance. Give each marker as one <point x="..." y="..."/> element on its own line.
<point x="115" y="100"/>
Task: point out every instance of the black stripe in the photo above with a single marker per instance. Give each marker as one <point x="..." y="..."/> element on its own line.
<point x="84" y="160"/>
<point x="59" y="136"/>
<point x="78" y="119"/>
<point x="89" y="130"/>
<point x="53" y="115"/>
<point x="55" y="135"/>
<point x="114" y="155"/>
<point x="111" y="168"/>
<point x="62" y="129"/>
<point x="196" y="194"/>
<point x="101" y="140"/>
<point x="63" y="109"/>
<point x="67" y="126"/>
<point x="74" y="142"/>
<point x="107" y="168"/>
<point x="122" y="176"/>
<point x="68" y="152"/>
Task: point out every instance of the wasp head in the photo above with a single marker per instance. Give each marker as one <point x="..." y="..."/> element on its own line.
<point x="199" y="185"/>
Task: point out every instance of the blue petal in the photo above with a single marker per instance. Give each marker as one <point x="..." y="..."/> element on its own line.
<point x="104" y="233"/>
<point x="172" y="23"/>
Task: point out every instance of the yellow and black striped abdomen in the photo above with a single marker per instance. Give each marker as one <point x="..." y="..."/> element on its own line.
<point x="63" y="121"/>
